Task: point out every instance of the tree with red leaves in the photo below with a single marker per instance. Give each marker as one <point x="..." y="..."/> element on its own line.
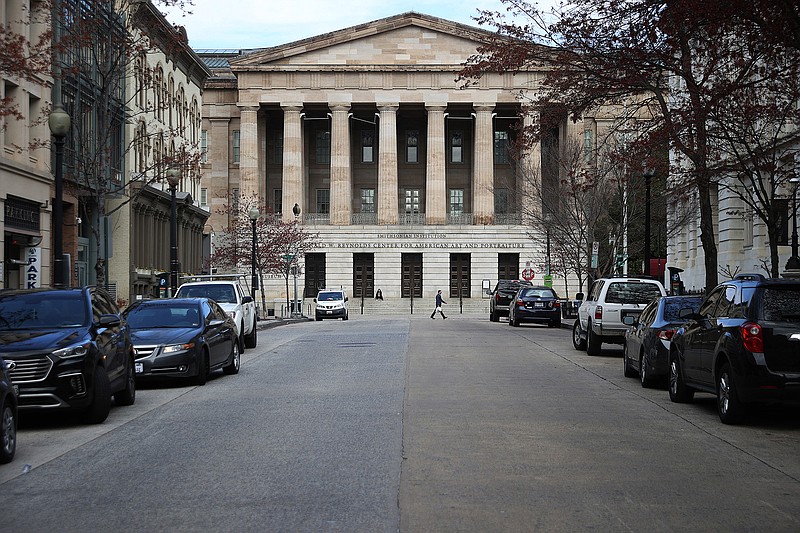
<point x="279" y="245"/>
<point x="680" y="62"/>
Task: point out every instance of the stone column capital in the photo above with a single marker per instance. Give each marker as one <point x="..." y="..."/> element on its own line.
<point x="388" y="107"/>
<point x="339" y="106"/>
<point x="248" y="107"/>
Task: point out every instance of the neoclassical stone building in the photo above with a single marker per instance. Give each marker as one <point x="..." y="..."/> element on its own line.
<point x="406" y="177"/>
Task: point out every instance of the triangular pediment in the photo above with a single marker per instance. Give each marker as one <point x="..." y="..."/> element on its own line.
<point x="402" y="40"/>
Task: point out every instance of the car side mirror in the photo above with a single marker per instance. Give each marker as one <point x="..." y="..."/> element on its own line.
<point x="109" y="320"/>
<point x="579" y="296"/>
<point x="247" y="299"/>
<point x="315" y="300"/>
<point x="629" y="320"/>
<point x="214" y="322"/>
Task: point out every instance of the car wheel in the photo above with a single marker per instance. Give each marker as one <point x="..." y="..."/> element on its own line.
<point x="644" y="377"/>
<point x="593" y="342"/>
<point x="731" y="409"/>
<point x="319" y="318"/>
<point x="98" y="411"/>
<point x="236" y="360"/>
<point x="202" y="369"/>
<point x="577" y="341"/>
<point x="251" y="340"/>
<point x="627" y="371"/>
<point x="8" y="434"/>
<point x="127" y="396"/>
<point x="678" y="391"/>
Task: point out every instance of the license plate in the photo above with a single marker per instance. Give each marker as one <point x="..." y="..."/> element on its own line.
<point x="138" y="368"/>
<point x="538" y="304"/>
<point x="329" y="312"/>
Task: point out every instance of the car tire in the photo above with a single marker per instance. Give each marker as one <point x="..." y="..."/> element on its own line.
<point x="627" y="371"/>
<point x="645" y="378"/>
<point x="577" y="341"/>
<point x="731" y="410"/>
<point x="127" y="396"/>
<point x="678" y="391"/>
<point x="202" y="370"/>
<point x="8" y="434"/>
<point x="319" y="319"/>
<point x="251" y="339"/>
<point x="345" y="317"/>
<point x="593" y="342"/>
<point x="98" y="411"/>
<point x="236" y="360"/>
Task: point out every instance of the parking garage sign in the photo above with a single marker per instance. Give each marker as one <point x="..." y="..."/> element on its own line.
<point x="33" y="268"/>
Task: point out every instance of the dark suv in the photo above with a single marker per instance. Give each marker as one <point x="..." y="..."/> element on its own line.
<point x="743" y="345"/>
<point x="67" y="349"/>
<point x="503" y="293"/>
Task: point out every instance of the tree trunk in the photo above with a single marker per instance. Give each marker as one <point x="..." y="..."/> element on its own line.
<point x="707" y="234"/>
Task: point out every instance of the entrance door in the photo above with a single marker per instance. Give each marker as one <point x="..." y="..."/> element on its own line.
<point x="459" y="275"/>
<point x="315" y="274"/>
<point x="507" y="266"/>
<point x="363" y="275"/>
<point x="412" y="275"/>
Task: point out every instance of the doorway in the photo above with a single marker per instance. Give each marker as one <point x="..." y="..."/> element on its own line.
<point x="412" y="275"/>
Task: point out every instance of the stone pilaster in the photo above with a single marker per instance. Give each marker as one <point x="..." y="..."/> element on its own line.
<point x="435" y="182"/>
<point x="529" y="176"/>
<point x="292" y="185"/>
<point x="483" y="177"/>
<point x="341" y="174"/>
<point x="249" y="184"/>
<point x="387" y="164"/>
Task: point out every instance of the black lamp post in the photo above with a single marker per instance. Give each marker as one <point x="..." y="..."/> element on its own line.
<point x="173" y="178"/>
<point x="648" y="175"/>
<point x="59" y="124"/>
<point x="295" y="311"/>
<point x="794" y="262"/>
<point x="254" y="213"/>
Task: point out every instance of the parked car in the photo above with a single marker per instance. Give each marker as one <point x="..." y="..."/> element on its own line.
<point x="743" y="345"/>
<point x="68" y="349"/>
<point x="230" y="295"/>
<point x="535" y="304"/>
<point x="182" y="337"/>
<point x="8" y="415"/>
<point x="331" y="303"/>
<point x="609" y="301"/>
<point x="504" y="292"/>
<point x="646" y="348"/>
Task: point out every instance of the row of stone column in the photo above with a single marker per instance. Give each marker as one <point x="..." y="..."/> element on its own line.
<point x="341" y="171"/>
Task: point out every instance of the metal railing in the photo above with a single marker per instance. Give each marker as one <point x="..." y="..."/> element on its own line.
<point x="460" y="218"/>
<point x="364" y="219"/>
<point x="410" y="219"/>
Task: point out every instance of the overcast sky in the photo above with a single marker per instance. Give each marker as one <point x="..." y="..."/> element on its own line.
<point x="260" y="23"/>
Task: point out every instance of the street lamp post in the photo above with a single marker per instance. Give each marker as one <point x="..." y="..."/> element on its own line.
<point x="794" y="262"/>
<point x="295" y="311"/>
<point x="173" y="178"/>
<point x="59" y="124"/>
<point x="648" y="175"/>
<point x="254" y="213"/>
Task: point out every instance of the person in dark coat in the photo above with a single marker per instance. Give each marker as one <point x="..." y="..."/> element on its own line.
<point x="439" y="302"/>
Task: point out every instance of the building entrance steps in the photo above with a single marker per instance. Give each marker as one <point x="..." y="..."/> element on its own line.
<point x="402" y="306"/>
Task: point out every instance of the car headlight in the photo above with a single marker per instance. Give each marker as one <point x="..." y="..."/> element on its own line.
<point x="172" y="348"/>
<point x="76" y="350"/>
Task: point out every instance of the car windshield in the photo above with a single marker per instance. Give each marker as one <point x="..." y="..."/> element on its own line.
<point x="631" y="292"/>
<point x="218" y="293"/>
<point x="329" y="296"/>
<point x="43" y="310"/>
<point x="537" y="293"/>
<point x="510" y="285"/>
<point x="673" y="306"/>
<point x="163" y="316"/>
<point x="780" y="305"/>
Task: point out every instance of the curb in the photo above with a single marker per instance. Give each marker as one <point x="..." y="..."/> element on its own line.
<point x="275" y="322"/>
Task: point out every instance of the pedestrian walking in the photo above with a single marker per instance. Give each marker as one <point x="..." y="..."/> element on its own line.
<point x="438" y="308"/>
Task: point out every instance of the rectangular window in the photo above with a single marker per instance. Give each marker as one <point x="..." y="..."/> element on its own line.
<point x="456" y="142"/>
<point x="278" y="201"/>
<point x="203" y="197"/>
<point x="456" y="201"/>
<point x="501" y="201"/>
<point x="323" y="148"/>
<point x="236" y="147"/>
<point x="204" y="146"/>
<point x="412" y="201"/>
<point x="367" y="200"/>
<point x="501" y="147"/>
<point x="323" y="201"/>
<point x="412" y="142"/>
<point x="367" y="146"/>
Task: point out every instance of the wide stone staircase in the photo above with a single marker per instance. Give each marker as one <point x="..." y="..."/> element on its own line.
<point x="421" y="307"/>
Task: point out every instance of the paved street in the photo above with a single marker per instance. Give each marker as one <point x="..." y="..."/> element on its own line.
<point x="409" y="424"/>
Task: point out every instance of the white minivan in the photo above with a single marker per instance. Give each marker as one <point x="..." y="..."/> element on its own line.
<point x="331" y="303"/>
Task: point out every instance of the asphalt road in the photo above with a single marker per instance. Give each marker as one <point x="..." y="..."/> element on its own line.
<point x="414" y="425"/>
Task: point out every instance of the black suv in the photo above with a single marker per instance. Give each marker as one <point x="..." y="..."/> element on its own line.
<point x="503" y="293"/>
<point x="8" y="415"/>
<point x="67" y="349"/>
<point x="743" y="345"/>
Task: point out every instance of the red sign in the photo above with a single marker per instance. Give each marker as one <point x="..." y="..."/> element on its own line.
<point x="528" y="274"/>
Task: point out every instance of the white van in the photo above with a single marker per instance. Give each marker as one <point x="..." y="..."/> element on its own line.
<point x="331" y="303"/>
